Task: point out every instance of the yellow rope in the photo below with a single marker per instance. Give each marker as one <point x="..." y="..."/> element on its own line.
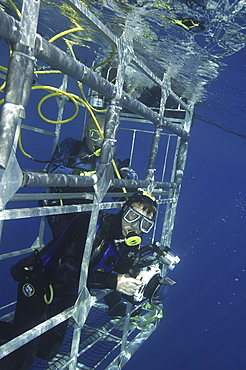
<point x="15" y="8"/>
<point x="61" y="34"/>
<point x="57" y="122"/>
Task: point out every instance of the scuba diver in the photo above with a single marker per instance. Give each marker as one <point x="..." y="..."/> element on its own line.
<point x="81" y="158"/>
<point x="75" y="157"/>
<point x="48" y="279"/>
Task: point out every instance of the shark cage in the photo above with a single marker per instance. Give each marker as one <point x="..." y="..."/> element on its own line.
<point x="152" y="129"/>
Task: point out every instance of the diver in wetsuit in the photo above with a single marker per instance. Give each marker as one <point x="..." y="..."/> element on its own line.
<point x="55" y="270"/>
<point x="81" y="158"/>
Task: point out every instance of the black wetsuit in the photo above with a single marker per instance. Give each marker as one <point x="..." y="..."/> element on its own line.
<point x="59" y="264"/>
<point x="72" y="157"/>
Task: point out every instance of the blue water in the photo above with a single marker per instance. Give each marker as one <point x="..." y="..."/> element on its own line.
<point x="204" y="325"/>
<point x="204" y="317"/>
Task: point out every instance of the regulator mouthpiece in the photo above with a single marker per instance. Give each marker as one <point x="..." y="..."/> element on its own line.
<point x="132" y="239"/>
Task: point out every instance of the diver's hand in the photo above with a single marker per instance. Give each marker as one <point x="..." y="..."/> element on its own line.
<point x="127" y="285"/>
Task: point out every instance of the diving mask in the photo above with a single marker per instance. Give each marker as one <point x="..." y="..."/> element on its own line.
<point x="95" y="137"/>
<point x="136" y="219"/>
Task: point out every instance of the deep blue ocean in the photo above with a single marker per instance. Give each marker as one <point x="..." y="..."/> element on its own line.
<point x="204" y="316"/>
<point x="204" y="326"/>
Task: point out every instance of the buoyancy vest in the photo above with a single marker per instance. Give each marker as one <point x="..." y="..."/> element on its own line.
<point x="106" y="255"/>
<point x="76" y="154"/>
<point x="109" y="260"/>
<point x="59" y="262"/>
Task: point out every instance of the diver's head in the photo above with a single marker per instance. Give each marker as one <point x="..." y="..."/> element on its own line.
<point x="94" y="139"/>
<point x="138" y="213"/>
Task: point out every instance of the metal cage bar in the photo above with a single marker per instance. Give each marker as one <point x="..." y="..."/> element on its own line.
<point x="125" y="334"/>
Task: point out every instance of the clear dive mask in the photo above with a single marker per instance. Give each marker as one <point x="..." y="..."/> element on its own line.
<point x="136" y="219"/>
<point x="95" y="137"/>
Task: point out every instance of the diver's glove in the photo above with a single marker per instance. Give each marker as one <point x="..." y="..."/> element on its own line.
<point x="78" y="172"/>
<point x="127" y="285"/>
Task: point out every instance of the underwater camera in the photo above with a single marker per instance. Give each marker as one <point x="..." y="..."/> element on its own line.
<point x="153" y="271"/>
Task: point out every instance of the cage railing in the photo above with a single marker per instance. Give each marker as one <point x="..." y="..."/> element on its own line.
<point x="13" y="113"/>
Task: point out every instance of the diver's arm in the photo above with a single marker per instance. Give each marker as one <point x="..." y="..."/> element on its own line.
<point x="63" y="150"/>
<point x="101" y="280"/>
